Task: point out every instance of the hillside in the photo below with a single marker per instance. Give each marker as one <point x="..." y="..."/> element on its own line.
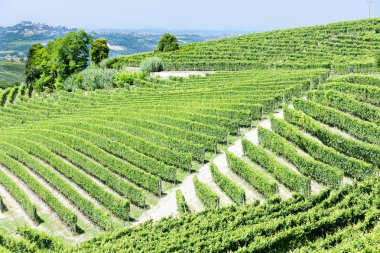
<point x="11" y="71"/>
<point x="341" y="44"/>
<point x="283" y="159"/>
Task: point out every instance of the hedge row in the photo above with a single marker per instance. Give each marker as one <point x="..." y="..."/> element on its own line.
<point x="118" y="206"/>
<point x="321" y="172"/>
<point x="317" y="150"/>
<point x="358" y="128"/>
<point x="347" y="103"/>
<point x="295" y="181"/>
<point x="361" y="79"/>
<point x="121" y="186"/>
<point x="18" y="194"/>
<point x="166" y="155"/>
<point x="182" y="146"/>
<point x="9" y="244"/>
<point x="98" y="216"/>
<point x="66" y="215"/>
<point x="182" y="206"/>
<point x="255" y="177"/>
<point x="229" y="187"/>
<point x="118" y="166"/>
<point x="208" y="198"/>
<point x="365" y="93"/>
<point x="357" y="149"/>
<point x="40" y="239"/>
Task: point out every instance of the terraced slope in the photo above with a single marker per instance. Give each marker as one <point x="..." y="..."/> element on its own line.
<point x="342" y="45"/>
<point x="314" y="142"/>
<point x="94" y="161"/>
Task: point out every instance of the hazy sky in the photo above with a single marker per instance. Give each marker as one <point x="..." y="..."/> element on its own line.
<point x="177" y="14"/>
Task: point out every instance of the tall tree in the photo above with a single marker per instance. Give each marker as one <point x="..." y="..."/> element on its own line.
<point x="99" y="50"/>
<point x="167" y="43"/>
<point x="73" y="52"/>
<point x="32" y="72"/>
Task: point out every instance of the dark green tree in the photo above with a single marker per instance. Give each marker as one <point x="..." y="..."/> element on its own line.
<point x="99" y="50"/>
<point x="32" y="72"/>
<point x="73" y="52"/>
<point x="168" y="43"/>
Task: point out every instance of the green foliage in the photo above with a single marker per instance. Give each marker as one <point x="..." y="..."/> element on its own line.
<point x="291" y="179"/>
<point x="208" y="198"/>
<point x="182" y="206"/>
<point x="357" y="149"/>
<point x="10" y="244"/>
<point x="99" y="50"/>
<point x="360" y="129"/>
<point x="40" y="239"/>
<point x="320" y="46"/>
<point x="167" y="43"/>
<point x="124" y="79"/>
<point x="19" y="195"/>
<point x="233" y="191"/>
<point x="254" y="176"/>
<point x="91" y="79"/>
<point x="377" y="59"/>
<point x="365" y="93"/>
<point x="151" y="64"/>
<point x="349" y="165"/>
<point x="360" y="79"/>
<point x="346" y="103"/>
<point x="319" y="171"/>
<point x="48" y="66"/>
<point x="32" y="73"/>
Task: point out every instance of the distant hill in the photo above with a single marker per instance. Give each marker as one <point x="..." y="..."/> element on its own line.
<point x="340" y="44"/>
<point x="16" y="40"/>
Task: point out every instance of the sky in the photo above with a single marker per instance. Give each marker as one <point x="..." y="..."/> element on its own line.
<point x="244" y="15"/>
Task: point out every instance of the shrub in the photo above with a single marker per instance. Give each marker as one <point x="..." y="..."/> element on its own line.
<point x="125" y="79"/>
<point x="91" y="79"/>
<point x="151" y="64"/>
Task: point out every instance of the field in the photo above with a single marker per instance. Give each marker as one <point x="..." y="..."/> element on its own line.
<point x="340" y="45"/>
<point x="11" y="71"/>
<point x="257" y="159"/>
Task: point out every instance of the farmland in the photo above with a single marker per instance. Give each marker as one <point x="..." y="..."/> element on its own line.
<point x="277" y="151"/>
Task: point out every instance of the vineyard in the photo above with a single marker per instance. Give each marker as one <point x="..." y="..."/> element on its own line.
<point x="339" y="45"/>
<point x="278" y="159"/>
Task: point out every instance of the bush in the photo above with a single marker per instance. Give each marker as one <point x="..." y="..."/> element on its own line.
<point x="151" y="64"/>
<point x="91" y="79"/>
<point x="125" y="79"/>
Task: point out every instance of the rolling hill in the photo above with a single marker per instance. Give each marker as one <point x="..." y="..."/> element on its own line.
<point x="283" y="159"/>
<point x="342" y="45"/>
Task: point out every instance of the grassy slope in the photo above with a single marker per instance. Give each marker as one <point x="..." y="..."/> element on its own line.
<point x="343" y="44"/>
<point x="11" y="71"/>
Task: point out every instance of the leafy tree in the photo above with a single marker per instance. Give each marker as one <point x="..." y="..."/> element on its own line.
<point x="32" y="72"/>
<point x="73" y="52"/>
<point x="167" y="43"/>
<point x="49" y="66"/>
<point x="99" y="50"/>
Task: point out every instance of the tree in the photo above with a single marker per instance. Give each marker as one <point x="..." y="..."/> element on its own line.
<point x="49" y="66"/>
<point x="99" y="50"/>
<point x="167" y="43"/>
<point x="32" y="72"/>
<point x="73" y="52"/>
